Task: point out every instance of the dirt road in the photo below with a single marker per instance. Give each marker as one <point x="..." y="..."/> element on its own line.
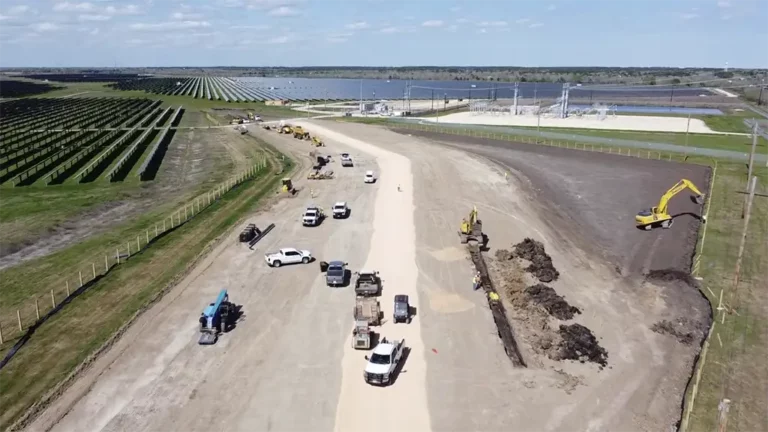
<point x="289" y="366"/>
<point x="284" y="353"/>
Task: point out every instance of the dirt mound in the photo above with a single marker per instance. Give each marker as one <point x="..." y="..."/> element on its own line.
<point x="541" y="263"/>
<point x="578" y="343"/>
<point x="553" y="303"/>
<point x="684" y="329"/>
<point x="672" y="275"/>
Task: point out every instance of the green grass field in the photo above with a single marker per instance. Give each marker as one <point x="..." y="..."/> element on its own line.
<point x="85" y="324"/>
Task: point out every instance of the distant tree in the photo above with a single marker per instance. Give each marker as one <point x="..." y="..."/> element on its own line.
<point x="523" y="79"/>
<point x="724" y="75"/>
<point x="676" y="81"/>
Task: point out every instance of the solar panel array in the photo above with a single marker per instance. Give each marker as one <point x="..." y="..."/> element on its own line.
<point x="316" y="89"/>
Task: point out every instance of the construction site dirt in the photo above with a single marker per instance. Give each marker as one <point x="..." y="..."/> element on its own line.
<point x="291" y="352"/>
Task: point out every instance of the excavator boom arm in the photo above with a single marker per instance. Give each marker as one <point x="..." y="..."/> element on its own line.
<point x="674" y="190"/>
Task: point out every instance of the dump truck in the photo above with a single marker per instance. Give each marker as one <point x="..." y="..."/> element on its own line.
<point x="367" y="309"/>
<point x="215" y="319"/>
<point x="367" y="283"/>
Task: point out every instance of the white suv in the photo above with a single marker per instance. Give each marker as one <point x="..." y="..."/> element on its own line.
<point x="370" y="177"/>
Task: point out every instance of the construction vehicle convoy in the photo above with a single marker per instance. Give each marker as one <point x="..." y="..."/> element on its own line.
<point x="658" y="216"/>
<point x="471" y="229"/>
<point x="215" y="319"/>
<point x="383" y="362"/>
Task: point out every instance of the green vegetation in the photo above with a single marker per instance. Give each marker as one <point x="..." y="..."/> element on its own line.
<point x="735" y="366"/>
<point x="88" y="322"/>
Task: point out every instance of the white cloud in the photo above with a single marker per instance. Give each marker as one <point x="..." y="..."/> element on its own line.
<point x="482" y="30"/>
<point x="391" y="30"/>
<point x="92" y="17"/>
<point x="535" y="25"/>
<point x="45" y="27"/>
<point x="278" y="40"/>
<point x="462" y="20"/>
<point x="724" y="4"/>
<point x="523" y="20"/>
<point x="94" y="32"/>
<point x="284" y="11"/>
<point x="340" y="37"/>
<point x="455" y="9"/>
<point x="360" y="25"/>
<point x="185" y="16"/>
<point x="170" y="25"/>
<point x="493" y="24"/>
<point x="689" y="16"/>
<point x="551" y="7"/>
<point x="410" y="18"/>
<point x="73" y="7"/>
<point x="251" y="27"/>
<point x="432" y="23"/>
<point x="3" y="17"/>
<point x="18" y="9"/>
<point x="129" y="9"/>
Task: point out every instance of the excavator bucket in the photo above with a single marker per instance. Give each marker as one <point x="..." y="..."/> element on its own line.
<point x="699" y="199"/>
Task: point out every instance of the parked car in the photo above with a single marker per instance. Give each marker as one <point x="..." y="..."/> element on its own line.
<point x="288" y="256"/>
<point x="383" y="362"/>
<point x="370" y="177"/>
<point x="402" y="310"/>
<point x="340" y="210"/>
<point x="336" y="274"/>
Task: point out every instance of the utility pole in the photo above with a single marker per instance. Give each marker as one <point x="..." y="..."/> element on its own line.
<point x="737" y="272"/>
<point x="751" y="162"/>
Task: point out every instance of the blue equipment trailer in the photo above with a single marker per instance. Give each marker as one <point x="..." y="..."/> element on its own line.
<point x="214" y="319"/>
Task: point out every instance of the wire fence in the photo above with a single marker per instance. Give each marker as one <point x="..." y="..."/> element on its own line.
<point x="29" y="312"/>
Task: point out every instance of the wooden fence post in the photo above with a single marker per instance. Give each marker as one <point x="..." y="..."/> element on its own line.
<point x="53" y="299"/>
<point x="67" y="282"/>
<point x="129" y="248"/>
<point x="106" y="264"/>
<point x="147" y="233"/>
<point x="155" y="230"/>
<point x="18" y="318"/>
<point x="138" y="244"/>
<point x="37" y="309"/>
<point x="1" y="334"/>
<point x="117" y="254"/>
<point x="80" y="272"/>
<point x="93" y="267"/>
<point x="185" y="212"/>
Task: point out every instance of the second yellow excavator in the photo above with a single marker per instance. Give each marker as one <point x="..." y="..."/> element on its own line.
<point x="472" y="228"/>
<point x="658" y="216"/>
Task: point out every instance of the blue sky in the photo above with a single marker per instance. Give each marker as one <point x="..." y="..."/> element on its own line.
<point x="104" y="33"/>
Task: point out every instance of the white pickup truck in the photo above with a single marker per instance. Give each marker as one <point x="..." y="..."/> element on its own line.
<point x="383" y="363"/>
<point x="312" y="216"/>
<point x="288" y="256"/>
<point x="346" y="160"/>
<point x="340" y="210"/>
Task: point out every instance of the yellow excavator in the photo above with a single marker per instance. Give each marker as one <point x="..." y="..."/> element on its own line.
<point x="300" y="133"/>
<point x="658" y="216"/>
<point x="472" y="228"/>
<point x="286" y="129"/>
<point x="317" y="142"/>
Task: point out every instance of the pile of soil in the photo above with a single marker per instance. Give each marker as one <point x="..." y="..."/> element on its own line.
<point x="553" y="303"/>
<point x="541" y="263"/>
<point x="578" y="343"/>
<point x="672" y="275"/>
<point x="685" y="330"/>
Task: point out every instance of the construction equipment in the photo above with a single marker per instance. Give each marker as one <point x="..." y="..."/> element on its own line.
<point x="300" y="133"/>
<point x="248" y="233"/>
<point x="286" y="129"/>
<point x="361" y="335"/>
<point x="318" y="175"/>
<point x="215" y="319"/>
<point x="471" y="229"/>
<point x="288" y="186"/>
<point x="260" y="235"/>
<point x="658" y="216"/>
<point x="317" y="142"/>
<point x="367" y="309"/>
